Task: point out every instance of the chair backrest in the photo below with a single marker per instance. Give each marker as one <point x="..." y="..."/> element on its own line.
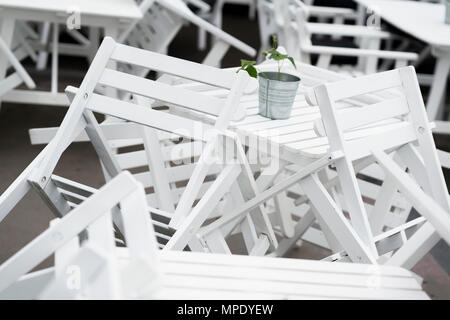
<point x="397" y="120"/>
<point x="99" y="75"/>
<point x="88" y="99"/>
<point x="92" y="220"/>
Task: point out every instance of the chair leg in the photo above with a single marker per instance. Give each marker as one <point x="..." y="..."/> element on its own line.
<point x="431" y="210"/>
<point x="201" y="211"/>
<point x="420" y="243"/>
<point x="323" y="204"/>
<point x="301" y="227"/>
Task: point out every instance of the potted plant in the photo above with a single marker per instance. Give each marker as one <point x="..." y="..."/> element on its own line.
<point x="277" y="90"/>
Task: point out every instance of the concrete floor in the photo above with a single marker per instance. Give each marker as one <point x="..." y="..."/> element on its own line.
<point x="79" y="162"/>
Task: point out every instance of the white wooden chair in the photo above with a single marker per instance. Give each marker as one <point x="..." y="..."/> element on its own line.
<point x="95" y="267"/>
<point x="235" y="172"/>
<point x="268" y="25"/>
<point x="86" y="266"/>
<point x="296" y="33"/>
<point x="368" y="133"/>
<point x="290" y="206"/>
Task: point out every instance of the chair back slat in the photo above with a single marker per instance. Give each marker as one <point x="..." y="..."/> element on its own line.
<point x="384" y="122"/>
<point x="363" y="85"/>
<point x="162" y="92"/>
<point x="174" y="66"/>
<point x="149" y="117"/>
<point x="384" y="139"/>
<point x="361" y="116"/>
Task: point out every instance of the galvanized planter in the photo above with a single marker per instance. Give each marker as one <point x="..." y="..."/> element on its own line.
<point x="447" y="11"/>
<point x="277" y="97"/>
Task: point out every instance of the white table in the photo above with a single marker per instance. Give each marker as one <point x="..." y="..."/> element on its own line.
<point x="425" y="21"/>
<point x="110" y="15"/>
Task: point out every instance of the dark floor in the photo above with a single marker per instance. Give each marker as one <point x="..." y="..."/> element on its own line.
<point x="30" y="217"/>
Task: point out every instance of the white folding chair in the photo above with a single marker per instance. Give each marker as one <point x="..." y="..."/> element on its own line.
<point x="268" y="25"/>
<point x="185" y="219"/>
<point x="414" y="152"/>
<point x="87" y="267"/>
<point x="94" y="267"/>
<point x="357" y="137"/>
<point x="293" y="25"/>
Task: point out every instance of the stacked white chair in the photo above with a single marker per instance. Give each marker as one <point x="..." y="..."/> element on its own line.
<point x="371" y="132"/>
<point x="186" y="219"/>
<point x="268" y="21"/>
<point x="293" y="25"/>
<point x="95" y="267"/>
<point x="290" y="18"/>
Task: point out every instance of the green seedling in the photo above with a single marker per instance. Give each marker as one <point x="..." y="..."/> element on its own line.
<point x="272" y="54"/>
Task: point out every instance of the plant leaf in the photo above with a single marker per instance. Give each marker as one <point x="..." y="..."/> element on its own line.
<point x="251" y="70"/>
<point x="245" y="63"/>
<point x="277" y="56"/>
<point x="292" y="61"/>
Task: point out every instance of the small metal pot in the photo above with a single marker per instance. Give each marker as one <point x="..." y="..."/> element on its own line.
<point x="447" y="11"/>
<point x="276" y="97"/>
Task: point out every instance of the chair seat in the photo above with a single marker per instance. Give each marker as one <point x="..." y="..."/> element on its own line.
<point x="200" y="275"/>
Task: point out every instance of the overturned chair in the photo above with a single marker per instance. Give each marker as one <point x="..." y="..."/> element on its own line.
<point x="93" y="266"/>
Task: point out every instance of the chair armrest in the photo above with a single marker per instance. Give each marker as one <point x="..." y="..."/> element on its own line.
<point x="347" y="30"/>
<point x="351" y="52"/>
<point x="327" y="12"/>
<point x="331" y="12"/>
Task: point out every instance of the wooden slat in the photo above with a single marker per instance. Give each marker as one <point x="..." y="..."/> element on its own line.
<point x="359" y="117"/>
<point x="174" y="66"/>
<point x="146" y="116"/>
<point x="162" y="92"/>
<point x="362" y="85"/>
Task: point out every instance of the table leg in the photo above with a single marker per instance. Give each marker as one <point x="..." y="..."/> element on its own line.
<point x="7" y="31"/>
<point x="438" y="86"/>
